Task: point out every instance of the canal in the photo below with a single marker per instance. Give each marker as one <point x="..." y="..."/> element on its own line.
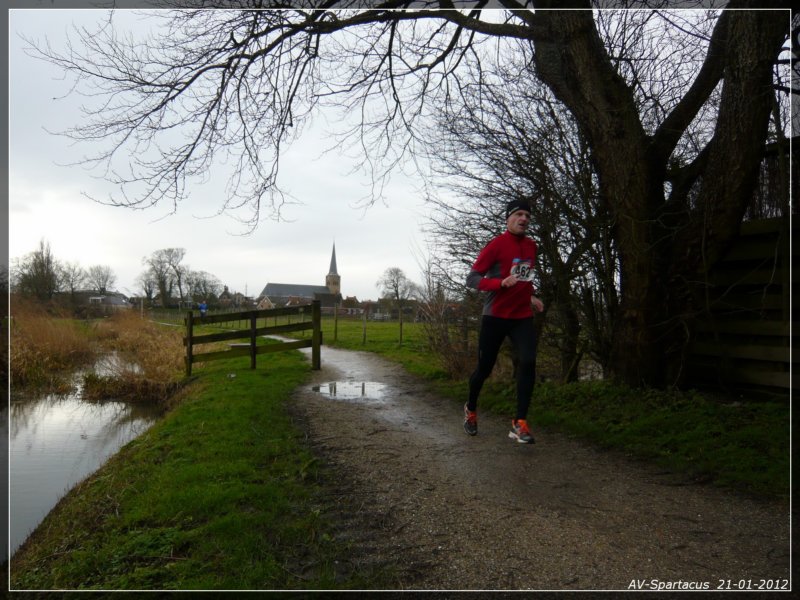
<point x="57" y="441"/>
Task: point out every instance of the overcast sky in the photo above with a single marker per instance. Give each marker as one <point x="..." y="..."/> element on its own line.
<point x="46" y="200"/>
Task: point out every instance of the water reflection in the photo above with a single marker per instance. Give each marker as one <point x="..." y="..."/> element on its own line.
<point x="4" y="470"/>
<point x="351" y="390"/>
<point x="55" y="442"/>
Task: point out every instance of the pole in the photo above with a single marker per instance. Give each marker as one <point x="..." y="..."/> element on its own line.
<point x="253" y="323"/>
<point x="364" y="334"/>
<point x="189" y="326"/>
<point x="316" y="336"/>
<point x="335" y="322"/>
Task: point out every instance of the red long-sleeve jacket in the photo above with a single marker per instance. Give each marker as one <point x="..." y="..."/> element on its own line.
<point x="494" y="263"/>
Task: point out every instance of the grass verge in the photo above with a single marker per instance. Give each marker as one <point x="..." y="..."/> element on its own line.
<point x="222" y="493"/>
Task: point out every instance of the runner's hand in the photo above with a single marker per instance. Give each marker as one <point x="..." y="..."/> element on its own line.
<point x="509" y="281"/>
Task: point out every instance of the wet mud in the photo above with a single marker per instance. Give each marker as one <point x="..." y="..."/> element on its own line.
<point x="446" y="511"/>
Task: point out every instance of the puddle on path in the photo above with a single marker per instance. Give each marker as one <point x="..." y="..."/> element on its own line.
<point x="351" y="390"/>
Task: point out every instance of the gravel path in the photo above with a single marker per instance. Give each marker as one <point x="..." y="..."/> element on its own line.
<point x="453" y="512"/>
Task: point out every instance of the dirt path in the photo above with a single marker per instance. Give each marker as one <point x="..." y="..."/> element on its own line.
<point x="454" y="512"/>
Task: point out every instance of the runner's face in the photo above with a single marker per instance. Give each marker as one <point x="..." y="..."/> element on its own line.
<point x="518" y="222"/>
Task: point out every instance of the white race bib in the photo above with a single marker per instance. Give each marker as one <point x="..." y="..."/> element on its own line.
<point x="523" y="270"/>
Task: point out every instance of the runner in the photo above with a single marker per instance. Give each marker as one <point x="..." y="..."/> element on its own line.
<point x="504" y="270"/>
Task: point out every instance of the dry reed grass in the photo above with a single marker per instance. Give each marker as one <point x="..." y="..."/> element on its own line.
<point x="44" y="347"/>
<point x="155" y="350"/>
<point x="149" y="361"/>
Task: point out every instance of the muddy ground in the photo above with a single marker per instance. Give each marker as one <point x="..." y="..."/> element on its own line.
<point x="451" y="512"/>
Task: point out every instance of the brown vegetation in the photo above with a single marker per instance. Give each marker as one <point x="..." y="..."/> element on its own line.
<point x="157" y="351"/>
<point x="45" y="347"/>
<point x="149" y="366"/>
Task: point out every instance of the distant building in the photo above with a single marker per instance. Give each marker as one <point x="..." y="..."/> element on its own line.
<point x="276" y="295"/>
<point x="94" y="303"/>
<point x="228" y="299"/>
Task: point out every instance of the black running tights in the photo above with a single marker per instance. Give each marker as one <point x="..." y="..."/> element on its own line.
<point x="494" y="331"/>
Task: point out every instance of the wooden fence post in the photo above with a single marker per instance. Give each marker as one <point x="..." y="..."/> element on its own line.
<point x="189" y="327"/>
<point x="335" y="322"/>
<point x="316" y="336"/>
<point x="253" y="327"/>
<point x="364" y="334"/>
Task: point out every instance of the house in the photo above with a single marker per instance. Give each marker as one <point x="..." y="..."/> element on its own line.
<point x="94" y="303"/>
<point x="276" y="295"/>
<point x="228" y="299"/>
<point x="110" y="301"/>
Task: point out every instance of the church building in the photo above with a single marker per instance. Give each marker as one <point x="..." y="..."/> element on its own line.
<point x="276" y="295"/>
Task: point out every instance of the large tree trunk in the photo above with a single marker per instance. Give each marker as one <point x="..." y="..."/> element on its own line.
<point x="731" y="167"/>
<point x="571" y="60"/>
<point x="631" y="166"/>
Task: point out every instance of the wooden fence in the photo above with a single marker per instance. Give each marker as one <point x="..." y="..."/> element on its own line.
<point x="312" y="311"/>
<point x="743" y="339"/>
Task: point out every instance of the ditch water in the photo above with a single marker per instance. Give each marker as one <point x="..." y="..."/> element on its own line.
<point x="57" y="441"/>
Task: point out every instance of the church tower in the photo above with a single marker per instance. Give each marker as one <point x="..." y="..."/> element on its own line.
<point x="332" y="279"/>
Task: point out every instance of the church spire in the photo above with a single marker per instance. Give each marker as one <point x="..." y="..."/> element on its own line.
<point x="332" y="270"/>
<point x="332" y="280"/>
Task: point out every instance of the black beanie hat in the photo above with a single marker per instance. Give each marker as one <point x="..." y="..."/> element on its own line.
<point x="516" y="205"/>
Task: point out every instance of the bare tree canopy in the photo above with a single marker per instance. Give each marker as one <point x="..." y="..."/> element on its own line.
<point x="213" y="89"/>
<point x="101" y="278"/>
<point x="37" y="273"/>
<point x="395" y="285"/>
<point x="228" y="90"/>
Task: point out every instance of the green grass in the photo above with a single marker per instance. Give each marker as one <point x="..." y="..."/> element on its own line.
<point x="383" y="337"/>
<point x="222" y="493"/>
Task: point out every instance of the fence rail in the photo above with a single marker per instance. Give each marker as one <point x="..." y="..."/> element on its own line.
<point x="743" y="339"/>
<point x="252" y="333"/>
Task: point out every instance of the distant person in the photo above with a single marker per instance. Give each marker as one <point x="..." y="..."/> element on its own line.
<point x="203" y="308"/>
<point x="504" y="270"/>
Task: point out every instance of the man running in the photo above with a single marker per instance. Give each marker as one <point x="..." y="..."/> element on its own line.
<point x="504" y="270"/>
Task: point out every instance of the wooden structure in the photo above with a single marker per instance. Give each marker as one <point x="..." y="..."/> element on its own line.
<point x="743" y="340"/>
<point x="313" y="322"/>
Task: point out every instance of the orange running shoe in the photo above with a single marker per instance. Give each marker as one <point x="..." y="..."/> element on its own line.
<point x="520" y="432"/>
<point x="470" y="421"/>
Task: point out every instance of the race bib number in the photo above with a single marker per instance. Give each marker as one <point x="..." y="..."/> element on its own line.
<point x="523" y="270"/>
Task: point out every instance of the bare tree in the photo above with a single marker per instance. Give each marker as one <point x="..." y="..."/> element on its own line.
<point x="173" y="257"/>
<point x="101" y="278"/>
<point x="240" y="85"/>
<point x="398" y="290"/>
<point x="517" y="143"/>
<point x="203" y="285"/>
<point x="148" y="285"/>
<point x="395" y="286"/>
<point x="443" y="316"/>
<point x="73" y="276"/>
<point x="160" y="273"/>
<point x="671" y="221"/>
<point x="37" y="274"/>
